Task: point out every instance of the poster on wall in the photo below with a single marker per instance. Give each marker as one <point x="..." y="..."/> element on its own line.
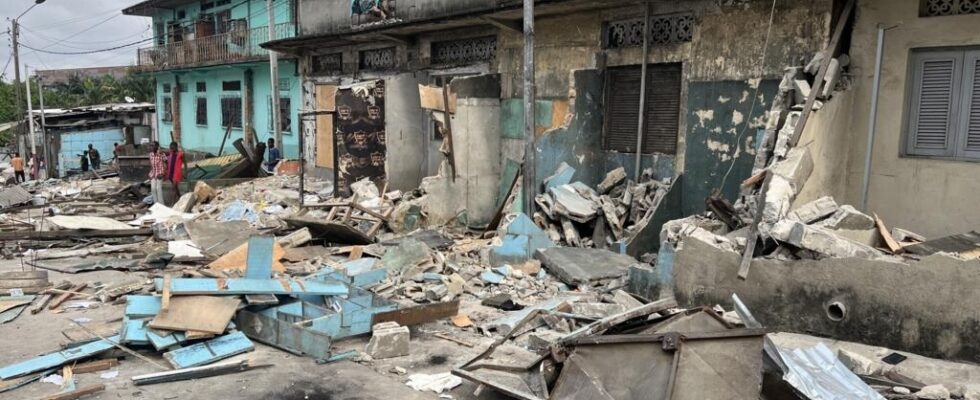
<point x="360" y="135"/>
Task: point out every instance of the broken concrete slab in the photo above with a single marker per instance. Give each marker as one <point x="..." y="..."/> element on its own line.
<point x="820" y="240"/>
<point x="580" y="266"/>
<point x="847" y="217"/>
<point x="218" y="238"/>
<point x="857" y="363"/>
<point x="570" y="203"/>
<point x="563" y="176"/>
<point x="409" y="253"/>
<point x="87" y="222"/>
<point x="611" y="180"/>
<point x="388" y="340"/>
<point x="814" y="210"/>
<point x="597" y="310"/>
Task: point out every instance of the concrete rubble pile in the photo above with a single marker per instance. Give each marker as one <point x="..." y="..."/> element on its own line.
<point x="576" y="215"/>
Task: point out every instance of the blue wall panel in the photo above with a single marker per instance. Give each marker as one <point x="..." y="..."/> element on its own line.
<point x="74" y="143"/>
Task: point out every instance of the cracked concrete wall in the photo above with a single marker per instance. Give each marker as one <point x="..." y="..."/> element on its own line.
<point x="925" y="307"/>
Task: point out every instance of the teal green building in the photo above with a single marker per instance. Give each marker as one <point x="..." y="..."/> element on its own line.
<point x="212" y="74"/>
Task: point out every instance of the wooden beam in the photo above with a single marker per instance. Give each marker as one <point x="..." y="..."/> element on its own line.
<point x="94" y="366"/>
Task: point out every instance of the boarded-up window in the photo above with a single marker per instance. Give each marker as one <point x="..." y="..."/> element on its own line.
<point x="202" y="111"/>
<point x="231" y="111"/>
<point x="944" y="106"/>
<point x="662" y="108"/>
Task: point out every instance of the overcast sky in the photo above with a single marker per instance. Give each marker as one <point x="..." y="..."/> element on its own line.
<point x="71" y="26"/>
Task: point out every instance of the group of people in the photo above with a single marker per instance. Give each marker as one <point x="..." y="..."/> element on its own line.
<point x="21" y="166"/>
<point x="91" y="157"/>
<point x="169" y="165"/>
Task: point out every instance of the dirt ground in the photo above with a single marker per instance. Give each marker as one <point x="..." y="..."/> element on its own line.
<point x="289" y="377"/>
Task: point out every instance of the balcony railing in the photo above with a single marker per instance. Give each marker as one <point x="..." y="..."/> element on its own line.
<point x="233" y="46"/>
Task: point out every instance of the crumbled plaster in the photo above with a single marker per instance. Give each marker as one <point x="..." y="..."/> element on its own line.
<point x="704" y="116"/>
<point x="737" y="117"/>
<point x="754" y="82"/>
<point x="723" y="99"/>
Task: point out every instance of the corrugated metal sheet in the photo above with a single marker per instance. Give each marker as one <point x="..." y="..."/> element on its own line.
<point x="13" y="196"/>
<point x="817" y="374"/>
<point x="216" y="161"/>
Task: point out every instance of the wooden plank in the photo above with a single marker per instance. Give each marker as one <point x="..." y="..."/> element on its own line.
<point x="46" y="298"/>
<point x="237" y="259"/>
<point x="55" y="359"/>
<point x="433" y="98"/>
<point x="886" y="235"/>
<point x="94" y="366"/>
<point x="165" y="297"/>
<point x="7" y="303"/>
<point x="418" y="314"/>
<point x="65" y="296"/>
<point x="324" y="141"/>
<point x="104" y="329"/>
<point x="197" y="313"/>
<point x="212" y="286"/>
<point x="208" y="352"/>
<point x="295" y="239"/>
<point x="260" y="257"/>
<point x="75" y="394"/>
<point x="448" y="134"/>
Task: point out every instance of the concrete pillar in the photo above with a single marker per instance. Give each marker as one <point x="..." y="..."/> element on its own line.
<point x="404" y="133"/>
<point x="175" y="107"/>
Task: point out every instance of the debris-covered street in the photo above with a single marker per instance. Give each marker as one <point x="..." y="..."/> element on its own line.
<point x="426" y="199"/>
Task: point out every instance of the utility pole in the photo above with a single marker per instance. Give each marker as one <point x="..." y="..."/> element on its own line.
<point x="45" y="148"/>
<point x="15" y="32"/>
<point x="530" y="188"/>
<point x="274" y="74"/>
<point x="30" y="120"/>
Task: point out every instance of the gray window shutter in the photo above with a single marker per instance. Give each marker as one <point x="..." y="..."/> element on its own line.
<point x="622" y="109"/>
<point x="662" y="108"/>
<point x="932" y="116"/>
<point x="969" y="146"/>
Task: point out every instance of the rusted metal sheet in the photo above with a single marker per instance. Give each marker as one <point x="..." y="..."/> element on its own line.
<point x="418" y="314"/>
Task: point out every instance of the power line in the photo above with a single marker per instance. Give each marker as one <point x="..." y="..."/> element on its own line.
<point x="100" y="42"/>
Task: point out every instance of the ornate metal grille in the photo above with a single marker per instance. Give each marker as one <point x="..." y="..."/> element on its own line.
<point x="464" y="50"/>
<point x="378" y="58"/>
<point x="938" y="8"/>
<point x="327" y="63"/>
<point x="664" y="29"/>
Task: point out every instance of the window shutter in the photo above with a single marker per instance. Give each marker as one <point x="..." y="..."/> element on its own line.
<point x="622" y="109"/>
<point x="933" y="102"/>
<point x="970" y="145"/>
<point x="663" y="108"/>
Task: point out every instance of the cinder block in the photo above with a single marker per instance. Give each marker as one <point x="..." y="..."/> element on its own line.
<point x="388" y="339"/>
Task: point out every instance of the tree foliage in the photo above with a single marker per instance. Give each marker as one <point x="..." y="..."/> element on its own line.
<point x="79" y="92"/>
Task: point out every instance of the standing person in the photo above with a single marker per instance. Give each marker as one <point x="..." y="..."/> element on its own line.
<point x="18" y="163"/>
<point x="85" y="161"/>
<point x="94" y="157"/>
<point x="175" y="167"/>
<point x="274" y="155"/>
<point x="117" y="151"/>
<point x="158" y="169"/>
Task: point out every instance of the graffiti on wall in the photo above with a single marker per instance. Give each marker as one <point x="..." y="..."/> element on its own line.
<point x="370" y="11"/>
<point x="360" y="135"/>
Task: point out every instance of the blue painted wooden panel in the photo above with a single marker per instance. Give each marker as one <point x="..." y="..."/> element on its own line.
<point x="520" y="242"/>
<point x="73" y="144"/>
<point x="142" y="306"/>
<point x="258" y="261"/>
<point x="208" y="352"/>
<point x="165" y="341"/>
<point x="264" y="327"/>
<point x="187" y="286"/>
<point x="134" y="331"/>
<point x="55" y="359"/>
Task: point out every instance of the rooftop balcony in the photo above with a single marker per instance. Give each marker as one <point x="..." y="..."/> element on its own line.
<point x="237" y="45"/>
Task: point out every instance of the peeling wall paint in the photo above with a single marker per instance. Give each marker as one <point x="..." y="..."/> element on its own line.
<point x="723" y="141"/>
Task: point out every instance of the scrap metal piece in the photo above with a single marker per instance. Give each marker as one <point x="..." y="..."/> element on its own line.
<point x="56" y="359"/>
<point x="816" y="373"/>
<point x="418" y="314"/>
